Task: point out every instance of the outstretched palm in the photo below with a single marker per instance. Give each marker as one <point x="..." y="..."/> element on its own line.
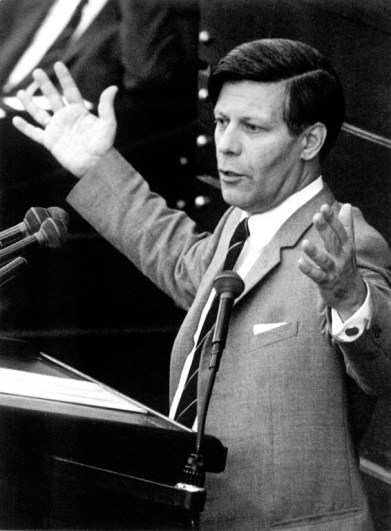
<point x="75" y="137"/>
<point x="333" y="266"/>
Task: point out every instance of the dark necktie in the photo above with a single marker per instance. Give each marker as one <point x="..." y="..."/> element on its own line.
<point x="187" y="407"/>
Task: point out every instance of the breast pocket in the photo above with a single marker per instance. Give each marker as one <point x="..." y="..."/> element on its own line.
<point x="269" y="333"/>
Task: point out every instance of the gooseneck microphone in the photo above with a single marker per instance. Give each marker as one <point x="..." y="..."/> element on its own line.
<point x="52" y="233"/>
<point x="228" y="285"/>
<point x="31" y="223"/>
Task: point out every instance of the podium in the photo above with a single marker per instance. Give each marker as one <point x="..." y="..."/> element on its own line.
<point x="75" y="465"/>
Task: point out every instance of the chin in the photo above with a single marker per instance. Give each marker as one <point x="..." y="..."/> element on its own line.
<point x="230" y="197"/>
<point x="234" y="199"/>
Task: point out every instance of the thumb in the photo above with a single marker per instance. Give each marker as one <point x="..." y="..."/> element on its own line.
<point x="106" y="104"/>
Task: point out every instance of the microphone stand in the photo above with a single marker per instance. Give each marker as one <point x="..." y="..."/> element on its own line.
<point x="228" y="285"/>
<point x="11" y="269"/>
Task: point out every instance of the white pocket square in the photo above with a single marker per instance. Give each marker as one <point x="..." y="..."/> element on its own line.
<point x="261" y="328"/>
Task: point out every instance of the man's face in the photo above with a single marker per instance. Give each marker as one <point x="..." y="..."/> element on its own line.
<point x="259" y="161"/>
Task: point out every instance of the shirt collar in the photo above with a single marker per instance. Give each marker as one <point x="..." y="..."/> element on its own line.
<point x="264" y="226"/>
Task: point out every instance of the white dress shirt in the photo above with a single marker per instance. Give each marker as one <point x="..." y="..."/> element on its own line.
<point x="262" y="228"/>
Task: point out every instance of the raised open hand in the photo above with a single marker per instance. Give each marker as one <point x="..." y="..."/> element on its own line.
<point x="74" y="136"/>
<point x="333" y="266"/>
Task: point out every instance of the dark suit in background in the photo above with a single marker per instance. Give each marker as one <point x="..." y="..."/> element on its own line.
<point x="147" y="49"/>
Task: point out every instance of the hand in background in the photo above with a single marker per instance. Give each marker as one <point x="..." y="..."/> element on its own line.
<point x="333" y="266"/>
<point x="74" y="136"/>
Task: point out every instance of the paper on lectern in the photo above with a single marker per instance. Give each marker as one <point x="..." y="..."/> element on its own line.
<point x="22" y="383"/>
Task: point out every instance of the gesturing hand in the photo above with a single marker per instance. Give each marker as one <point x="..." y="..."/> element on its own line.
<point x="74" y="136"/>
<point x="333" y="266"/>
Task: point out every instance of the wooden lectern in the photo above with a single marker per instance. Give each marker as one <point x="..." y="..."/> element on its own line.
<point x="77" y="466"/>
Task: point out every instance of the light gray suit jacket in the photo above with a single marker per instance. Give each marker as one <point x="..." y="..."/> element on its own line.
<point x="279" y="402"/>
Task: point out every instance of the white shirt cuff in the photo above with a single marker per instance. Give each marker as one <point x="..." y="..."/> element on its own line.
<point x="351" y="329"/>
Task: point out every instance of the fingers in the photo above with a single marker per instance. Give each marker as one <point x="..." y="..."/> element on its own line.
<point x="324" y="264"/>
<point x="319" y="256"/>
<point x="321" y="267"/>
<point x="40" y="115"/>
<point x="41" y="81"/>
<point x="315" y="273"/>
<point x="71" y="92"/>
<point x="56" y="100"/>
<point x="48" y="90"/>
<point x="35" y="133"/>
<point x="32" y="88"/>
<point x="332" y="231"/>
<point x="346" y="219"/>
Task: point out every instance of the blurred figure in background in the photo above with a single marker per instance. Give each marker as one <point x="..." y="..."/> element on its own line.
<point x="147" y="49"/>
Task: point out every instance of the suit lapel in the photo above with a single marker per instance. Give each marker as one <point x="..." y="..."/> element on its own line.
<point x="287" y="236"/>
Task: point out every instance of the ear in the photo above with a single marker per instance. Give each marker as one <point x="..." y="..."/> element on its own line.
<point x="313" y="138"/>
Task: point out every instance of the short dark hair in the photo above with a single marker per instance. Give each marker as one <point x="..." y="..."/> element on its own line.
<point x="314" y="91"/>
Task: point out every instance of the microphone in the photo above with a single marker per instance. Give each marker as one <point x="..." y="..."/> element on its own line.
<point x="228" y="286"/>
<point x="58" y="213"/>
<point x="31" y="223"/>
<point x="10" y="270"/>
<point x="52" y="233"/>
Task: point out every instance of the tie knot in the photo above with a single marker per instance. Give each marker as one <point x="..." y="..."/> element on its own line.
<point x="241" y="233"/>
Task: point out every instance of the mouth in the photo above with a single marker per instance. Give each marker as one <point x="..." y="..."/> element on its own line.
<point x="230" y="176"/>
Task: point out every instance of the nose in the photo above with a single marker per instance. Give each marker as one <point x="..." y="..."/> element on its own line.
<point x="228" y="141"/>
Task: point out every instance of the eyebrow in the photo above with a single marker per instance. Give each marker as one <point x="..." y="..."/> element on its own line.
<point x="247" y="117"/>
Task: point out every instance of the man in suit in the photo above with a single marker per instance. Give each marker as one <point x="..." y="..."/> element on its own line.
<point x="316" y="307"/>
